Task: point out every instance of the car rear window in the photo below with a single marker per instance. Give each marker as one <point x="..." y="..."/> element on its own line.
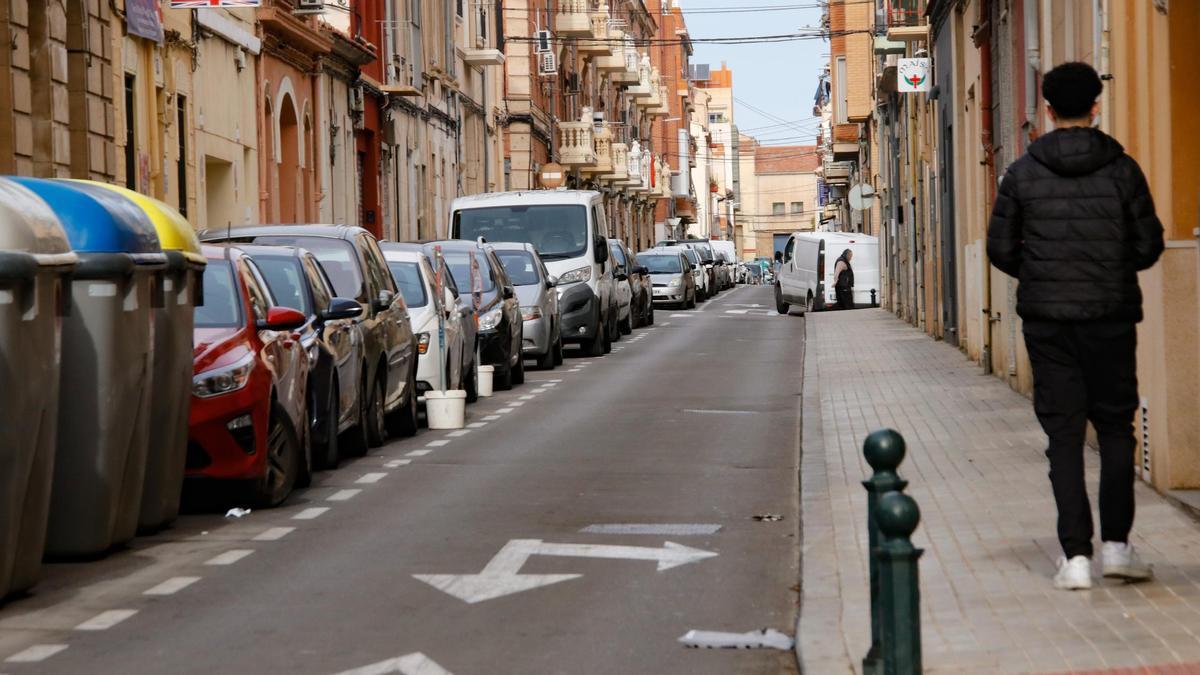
<point x="459" y="263"/>
<point x="408" y="276"/>
<point x="661" y="264"/>
<point x="284" y="278"/>
<point x="520" y="266"/>
<point x="222" y="306"/>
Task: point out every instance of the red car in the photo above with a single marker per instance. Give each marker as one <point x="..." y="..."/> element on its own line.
<point x="248" y="419"/>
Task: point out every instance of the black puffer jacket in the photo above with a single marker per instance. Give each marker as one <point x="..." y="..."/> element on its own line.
<point x="1074" y="222"/>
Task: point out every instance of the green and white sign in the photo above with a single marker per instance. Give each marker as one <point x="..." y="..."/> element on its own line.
<point x="913" y="76"/>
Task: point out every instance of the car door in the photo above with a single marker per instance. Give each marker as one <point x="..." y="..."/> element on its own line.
<point x="341" y="337"/>
<point x="788" y="275"/>
<point x="550" y="297"/>
<point x="512" y="306"/>
<point x="391" y="317"/>
<point x="451" y="321"/>
<point x="281" y="352"/>
<point x="605" y="282"/>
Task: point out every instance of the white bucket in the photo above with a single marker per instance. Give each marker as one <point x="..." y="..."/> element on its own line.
<point x="446" y="409"/>
<point x="485" y="380"/>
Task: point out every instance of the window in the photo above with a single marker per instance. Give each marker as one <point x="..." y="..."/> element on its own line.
<point x="797" y="207"/>
<point x="131" y="167"/>
<point x="322" y="288"/>
<point x="285" y="278"/>
<point x="222" y="306"/>
<point x="458" y="8"/>
<point x="414" y="12"/>
<point x="483" y="21"/>
<point x="520" y="266"/>
<point x="777" y="208"/>
<point x="181" y="163"/>
<point x="260" y="299"/>
<point x="841" y="114"/>
<point x="412" y="286"/>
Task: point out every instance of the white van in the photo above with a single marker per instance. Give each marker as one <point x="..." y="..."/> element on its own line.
<point x="570" y="233"/>
<point x="806" y="276"/>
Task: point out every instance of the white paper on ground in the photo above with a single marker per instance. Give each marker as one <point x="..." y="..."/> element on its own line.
<point x="767" y="638"/>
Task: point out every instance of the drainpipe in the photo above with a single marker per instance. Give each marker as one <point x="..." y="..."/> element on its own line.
<point x="983" y="41"/>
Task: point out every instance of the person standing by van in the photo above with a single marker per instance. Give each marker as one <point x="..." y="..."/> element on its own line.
<point x="1075" y="223"/>
<point x="843" y="280"/>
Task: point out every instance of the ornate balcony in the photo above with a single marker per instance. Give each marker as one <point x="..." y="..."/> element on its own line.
<point x="633" y="174"/>
<point x="664" y="103"/>
<point x="620" y="164"/>
<point x="628" y="75"/>
<point x="600" y="43"/>
<point x="574" y="18"/>
<point x="613" y="62"/>
<point x="642" y="89"/>
<point x="576" y="142"/>
<point x="602" y="142"/>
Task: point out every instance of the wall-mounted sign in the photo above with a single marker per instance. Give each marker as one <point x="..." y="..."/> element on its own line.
<point x="202" y="4"/>
<point x="142" y="19"/>
<point x="913" y="76"/>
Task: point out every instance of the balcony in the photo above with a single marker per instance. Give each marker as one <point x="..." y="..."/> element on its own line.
<point x="600" y="43"/>
<point x="664" y="103"/>
<point x="602" y="142"/>
<point x="634" y="174"/>
<point x="629" y="75"/>
<point x="613" y="62"/>
<point x="576" y="142"/>
<point x="620" y="164"/>
<point x="904" y="22"/>
<point x="483" y="57"/>
<point x="642" y="90"/>
<point x="574" y="18"/>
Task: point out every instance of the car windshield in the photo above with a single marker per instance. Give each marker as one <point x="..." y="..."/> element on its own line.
<point x="661" y="264"/>
<point x="557" y="231"/>
<point x="617" y="254"/>
<point x="337" y="257"/>
<point x="520" y="266"/>
<point x="222" y="306"/>
<point x="692" y="257"/>
<point x="705" y="253"/>
<point x="408" y="276"/>
<point x="459" y="263"/>
<point x="283" y="276"/>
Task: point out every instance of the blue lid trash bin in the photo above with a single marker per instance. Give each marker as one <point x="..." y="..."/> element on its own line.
<point x="166" y="456"/>
<point x="107" y="359"/>
<point x="34" y="259"/>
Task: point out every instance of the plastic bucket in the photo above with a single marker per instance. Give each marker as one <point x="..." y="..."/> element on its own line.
<point x="485" y="380"/>
<point x="446" y="409"/>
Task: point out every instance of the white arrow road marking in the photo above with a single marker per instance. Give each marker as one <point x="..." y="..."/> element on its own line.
<point x="502" y="575"/>
<point x="409" y="664"/>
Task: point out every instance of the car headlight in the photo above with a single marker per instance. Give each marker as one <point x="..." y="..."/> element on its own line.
<point x="675" y="282"/>
<point x="225" y="379"/>
<point x="576" y="276"/>
<point x="531" y="313"/>
<point x="422" y="343"/>
<point x="490" y="319"/>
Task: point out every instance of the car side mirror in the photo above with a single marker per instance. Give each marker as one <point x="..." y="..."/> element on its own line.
<point x="282" y="318"/>
<point x="384" y="300"/>
<point x="509" y="293"/>
<point x="341" y="308"/>
<point x="601" y="252"/>
<point x="641" y="269"/>
<point x="551" y="281"/>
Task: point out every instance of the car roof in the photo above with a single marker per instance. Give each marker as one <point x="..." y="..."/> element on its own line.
<point x="512" y="246"/>
<point x="386" y="246"/>
<point x="456" y="244"/>
<point x="404" y="255"/>
<point x="331" y="231"/>
<point x="218" y="252"/>
<point x="662" y="250"/>
<point x="262" y="251"/>
<point x="525" y="197"/>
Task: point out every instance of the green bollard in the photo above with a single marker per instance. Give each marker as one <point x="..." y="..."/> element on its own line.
<point x="884" y="450"/>
<point x="900" y="593"/>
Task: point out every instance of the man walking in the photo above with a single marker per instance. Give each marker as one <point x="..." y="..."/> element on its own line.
<point x="1074" y="223"/>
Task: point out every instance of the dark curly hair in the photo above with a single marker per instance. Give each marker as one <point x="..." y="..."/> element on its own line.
<point x="1071" y="89"/>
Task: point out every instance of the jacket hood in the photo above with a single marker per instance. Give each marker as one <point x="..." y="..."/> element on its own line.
<point x="1076" y="151"/>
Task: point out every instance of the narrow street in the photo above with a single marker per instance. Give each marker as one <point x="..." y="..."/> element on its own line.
<point x="691" y="425"/>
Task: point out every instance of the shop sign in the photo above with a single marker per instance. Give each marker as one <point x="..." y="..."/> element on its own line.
<point x="913" y="76"/>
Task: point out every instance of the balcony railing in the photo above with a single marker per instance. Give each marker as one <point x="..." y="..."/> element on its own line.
<point x="602" y="142"/>
<point x="600" y="43"/>
<point x="620" y="164"/>
<point x="576" y="142"/>
<point x="614" y="61"/>
<point x="642" y="90"/>
<point x="574" y="18"/>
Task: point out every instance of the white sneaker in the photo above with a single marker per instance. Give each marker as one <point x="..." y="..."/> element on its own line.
<point x="1074" y="574"/>
<point x="1122" y="561"/>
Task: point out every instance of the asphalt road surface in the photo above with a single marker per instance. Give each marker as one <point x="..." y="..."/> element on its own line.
<point x="584" y="523"/>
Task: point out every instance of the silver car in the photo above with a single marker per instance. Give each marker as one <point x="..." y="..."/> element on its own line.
<point x="672" y="275"/>
<point x="539" y="302"/>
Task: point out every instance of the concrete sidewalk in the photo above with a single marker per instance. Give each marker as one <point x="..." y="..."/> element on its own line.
<point x="976" y="467"/>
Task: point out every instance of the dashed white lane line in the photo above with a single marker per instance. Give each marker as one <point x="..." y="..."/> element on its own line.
<point x="459" y="434"/>
<point x="230" y="557"/>
<point x="477" y="425"/>
<point x="171" y="586"/>
<point x="437" y="444"/>
<point x="343" y="495"/>
<point x="549" y="382"/>
<point x="106" y="620"/>
<point x="419" y="453"/>
<point x="667" y="323"/>
<point x="310" y="513"/>
<point x="527" y="397"/>
<point x="504" y="411"/>
<point x="397" y="463"/>
<point x="35" y="654"/>
<point x="517" y="404"/>
<point x="491" y="418"/>
<point x="274" y="534"/>
<point x="373" y="477"/>
<point x="539" y="390"/>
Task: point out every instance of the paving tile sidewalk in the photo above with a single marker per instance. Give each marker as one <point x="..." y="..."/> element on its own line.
<point x="976" y="468"/>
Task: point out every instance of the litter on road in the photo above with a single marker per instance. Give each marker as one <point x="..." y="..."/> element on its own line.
<point x="767" y="638"/>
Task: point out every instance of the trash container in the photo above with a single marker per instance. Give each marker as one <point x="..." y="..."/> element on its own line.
<point x="182" y="281"/>
<point x="107" y="356"/>
<point x="34" y="257"/>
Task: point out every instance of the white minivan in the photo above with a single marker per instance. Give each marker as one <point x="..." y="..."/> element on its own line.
<point x="806" y="276"/>
<point x="570" y="233"/>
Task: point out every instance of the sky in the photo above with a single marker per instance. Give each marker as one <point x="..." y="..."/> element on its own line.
<point x="776" y="78"/>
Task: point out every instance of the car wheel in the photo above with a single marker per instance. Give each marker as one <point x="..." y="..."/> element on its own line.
<point x="558" y="351"/>
<point x="356" y="438"/>
<point x="503" y="379"/>
<point x="283" y="463"/>
<point x="518" y="371"/>
<point x="546" y="361"/>
<point x="327" y="455"/>
<point x="607" y="343"/>
<point x="691" y="303"/>
<point x="780" y="306"/>
<point x="404" y="422"/>
<point x="596" y="346"/>
<point x="650" y="316"/>
<point x="471" y="385"/>
<point x="810" y="304"/>
<point x="376" y="429"/>
<point x="626" y="326"/>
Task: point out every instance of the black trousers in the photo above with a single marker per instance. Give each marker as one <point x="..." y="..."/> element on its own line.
<point x="845" y="297"/>
<point x="1087" y="372"/>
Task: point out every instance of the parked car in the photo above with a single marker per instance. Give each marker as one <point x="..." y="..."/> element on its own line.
<point x="500" y="323"/>
<point x="708" y="261"/>
<point x="672" y="276"/>
<point x="539" y="302"/>
<point x="624" y="291"/>
<point x="728" y="252"/>
<point x="806" y="276"/>
<point x="444" y="364"/>
<point x="641" y="310"/>
<point x="570" y="232"/>
<point x="693" y="258"/>
<point x="352" y="260"/>
<point x="249" y="415"/>
<point x="330" y="338"/>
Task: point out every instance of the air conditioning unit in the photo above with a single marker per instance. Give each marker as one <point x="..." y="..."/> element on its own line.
<point x="309" y="7"/>
<point x="542" y="42"/>
<point x="547" y="64"/>
<point x="356" y="99"/>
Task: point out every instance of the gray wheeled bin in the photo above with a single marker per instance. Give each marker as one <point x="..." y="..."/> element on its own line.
<point x="166" y="454"/>
<point x="34" y="257"/>
<point x="107" y="354"/>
